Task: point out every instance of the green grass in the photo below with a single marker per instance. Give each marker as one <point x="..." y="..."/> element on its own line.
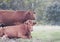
<point x="50" y="36"/>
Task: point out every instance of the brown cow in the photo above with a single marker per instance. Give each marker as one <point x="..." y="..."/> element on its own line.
<point x="19" y="31"/>
<point x="10" y="17"/>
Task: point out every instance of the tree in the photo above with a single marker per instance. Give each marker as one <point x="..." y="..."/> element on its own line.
<point x="53" y="13"/>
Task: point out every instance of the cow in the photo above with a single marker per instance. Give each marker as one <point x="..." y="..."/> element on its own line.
<point x="19" y="31"/>
<point x="10" y="17"/>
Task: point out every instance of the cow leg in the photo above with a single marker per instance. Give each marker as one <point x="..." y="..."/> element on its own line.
<point x="22" y="36"/>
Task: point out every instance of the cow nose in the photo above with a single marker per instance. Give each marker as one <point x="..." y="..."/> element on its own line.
<point x="34" y="23"/>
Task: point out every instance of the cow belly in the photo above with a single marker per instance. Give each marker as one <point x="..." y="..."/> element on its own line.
<point x="10" y="32"/>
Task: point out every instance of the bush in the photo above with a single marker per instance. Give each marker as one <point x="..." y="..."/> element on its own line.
<point x="53" y="14"/>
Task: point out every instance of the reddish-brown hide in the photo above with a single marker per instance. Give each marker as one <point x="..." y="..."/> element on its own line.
<point x="18" y="31"/>
<point x="1" y="31"/>
<point x="10" y="17"/>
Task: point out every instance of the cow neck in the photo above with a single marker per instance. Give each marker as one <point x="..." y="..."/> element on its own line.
<point x="25" y="26"/>
<point x="25" y="16"/>
<point x="27" y="30"/>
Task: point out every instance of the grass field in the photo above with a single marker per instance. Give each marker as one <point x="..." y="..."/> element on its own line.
<point x="41" y="33"/>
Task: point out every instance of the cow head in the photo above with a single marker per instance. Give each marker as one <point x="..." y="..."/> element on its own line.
<point x="30" y="15"/>
<point x="30" y="24"/>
